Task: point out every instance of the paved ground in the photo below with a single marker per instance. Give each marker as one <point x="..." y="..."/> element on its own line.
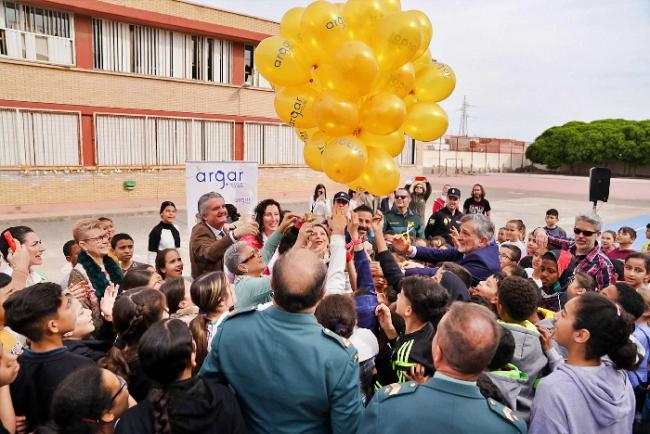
<point x="511" y="195"/>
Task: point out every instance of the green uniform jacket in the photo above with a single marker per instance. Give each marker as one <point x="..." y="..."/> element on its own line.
<point x="400" y="223"/>
<point x="253" y="291"/>
<point x="290" y="374"/>
<point x="441" y="405"/>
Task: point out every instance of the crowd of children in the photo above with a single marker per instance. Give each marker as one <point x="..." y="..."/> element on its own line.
<point x="116" y="345"/>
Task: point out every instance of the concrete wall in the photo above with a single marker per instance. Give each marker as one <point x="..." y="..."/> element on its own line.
<point x="447" y="162"/>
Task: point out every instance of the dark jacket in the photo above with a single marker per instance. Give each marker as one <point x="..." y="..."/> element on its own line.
<point x="365" y="297"/>
<point x="38" y="378"/>
<point x="480" y="263"/>
<point x="206" y="252"/>
<point x="90" y="348"/>
<point x="441" y="222"/>
<point x="196" y="406"/>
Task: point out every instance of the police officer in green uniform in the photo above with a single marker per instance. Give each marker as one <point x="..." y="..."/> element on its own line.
<point x="290" y="374"/>
<point x="401" y="220"/>
<point x="450" y="402"/>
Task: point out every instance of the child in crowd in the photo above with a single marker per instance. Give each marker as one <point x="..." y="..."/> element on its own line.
<point x="637" y="270"/>
<point x="421" y="303"/>
<point x="337" y="312"/>
<point x="122" y="245"/>
<point x="212" y="294"/>
<point x="488" y="288"/>
<point x="502" y="235"/>
<point x="133" y="313"/>
<point x="70" y="251"/>
<point x="646" y="247"/>
<point x="625" y="238"/>
<point x="608" y="241"/>
<point x="516" y="234"/>
<point x="179" y="402"/>
<point x="437" y="242"/>
<point x="509" y="254"/>
<point x="552" y="218"/>
<point x="169" y="263"/>
<point x="589" y="394"/>
<point x="90" y="400"/>
<point x="80" y="340"/>
<point x="556" y="272"/>
<point x="582" y="283"/>
<point x="514" y="270"/>
<point x="179" y="300"/>
<point x="9" y="368"/>
<point x="517" y="301"/>
<point x="144" y="275"/>
<point x="503" y="373"/>
<point x="632" y="302"/>
<point x="43" y="314"/>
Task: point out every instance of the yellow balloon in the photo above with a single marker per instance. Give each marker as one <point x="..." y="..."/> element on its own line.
<point x="323" y="29"/>
<point x="313" y="151"/>
<point x="290" y="24"/>
<point x="383" y="113"/>
<point x="400" y="82"/>
<point x="423" y="60"/>
<point x="362" y="16"/>
<point x="434" y="82"/>
<point x="380" y="176"/>
<point x="344" y="158"/>
<point x="334" y="116"/>
<point x="281" y="62"/>
<point x="427" y="31"/>
<point x="426" y="121"/>
<point x="294" y="106"/>
<point x="409" y="100"/>
<point x="397" y="39"/>
<point x="358" y="184"/>
<point x="392" y="143"/>
<point x="306" y="134"/>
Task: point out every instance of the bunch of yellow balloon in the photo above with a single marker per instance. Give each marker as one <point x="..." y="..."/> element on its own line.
<point x="353" y="78"/>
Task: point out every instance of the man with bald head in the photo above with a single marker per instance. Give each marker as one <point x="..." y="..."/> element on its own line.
<point x="289" y="373"/>
<point x="450" y="402"/>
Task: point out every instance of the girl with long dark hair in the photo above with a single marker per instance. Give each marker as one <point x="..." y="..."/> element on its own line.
<point x="179" y="402"/>
<point x="589" y="393"/>
<point x="165" y="235"/>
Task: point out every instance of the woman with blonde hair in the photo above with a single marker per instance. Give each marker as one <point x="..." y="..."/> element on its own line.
<point x="94" y="264"/>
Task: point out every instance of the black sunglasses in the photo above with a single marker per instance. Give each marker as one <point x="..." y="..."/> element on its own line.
<point x="400" y="196"/>
<point x="585" y="233"/>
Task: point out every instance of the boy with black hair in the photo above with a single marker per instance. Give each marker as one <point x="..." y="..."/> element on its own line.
<point x="552" y="218"/>
<point x="509" y="254"/>
<point x="70" y="251"/>
<point x="503" y="373"/>
<point x="122" y="245"/>
<point x="517" y="300"/>
<point x="646" y="247"/>
<point x="43" y="314"/>
<point x="421" y="303"/>
<point x="625" y="237"/>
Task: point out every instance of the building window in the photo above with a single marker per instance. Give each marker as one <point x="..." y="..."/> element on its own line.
<point x="160" y="141"/>
<point x="36" y="138"/>
<point x="248" y="64"/>
<point x="123" y="47"/>
<point x="33" y="33"/>
<point x="272" y="144"/>
<point x="409" y="154"/>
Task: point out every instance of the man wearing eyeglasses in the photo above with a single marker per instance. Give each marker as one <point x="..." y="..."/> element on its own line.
<point x="590" y="259"/>
<point x="401" y="220"/>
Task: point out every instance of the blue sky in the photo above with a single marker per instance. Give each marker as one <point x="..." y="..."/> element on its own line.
<point x="526" y="65"/>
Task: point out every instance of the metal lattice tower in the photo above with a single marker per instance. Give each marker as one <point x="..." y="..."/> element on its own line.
<point x="464" y="116"/>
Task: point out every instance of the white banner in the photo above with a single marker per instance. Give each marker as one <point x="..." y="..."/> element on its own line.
<point x="236" y="181"/>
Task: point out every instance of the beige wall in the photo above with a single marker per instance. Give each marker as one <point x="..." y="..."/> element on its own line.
<point x="23" y="81"/>
<point x="206" y="14"/>
<point x="452" y="162"/>
<point x="29" y="192"/>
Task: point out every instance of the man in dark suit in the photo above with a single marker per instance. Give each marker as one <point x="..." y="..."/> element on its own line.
<point x="210" y="239"/>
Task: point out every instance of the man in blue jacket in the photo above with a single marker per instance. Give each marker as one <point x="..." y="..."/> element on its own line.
<point x="476" y="251"/>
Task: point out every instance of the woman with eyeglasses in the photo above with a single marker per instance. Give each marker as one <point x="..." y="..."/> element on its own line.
<point x="89" y="400"/>
<point x="94" y="264"/>
<point x="319" y="205"/>
<point x="29" y="239"/>
<point x="179" y="402"/>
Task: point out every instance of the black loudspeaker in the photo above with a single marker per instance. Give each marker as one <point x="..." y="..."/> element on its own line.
<point x="599" y="184"/>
